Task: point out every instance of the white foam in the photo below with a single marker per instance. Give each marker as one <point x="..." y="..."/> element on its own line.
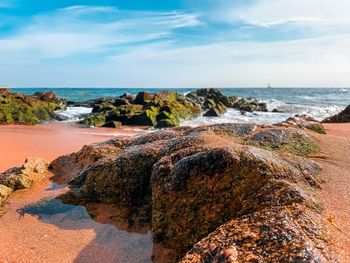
<point x="72" y="114"/>
<point x="234" y="116"/>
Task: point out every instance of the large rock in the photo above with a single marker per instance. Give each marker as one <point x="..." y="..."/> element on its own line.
<point x="23" y="109"/>
<point x="343" y="116"/>
<point x="193" y="180"/>
<point x="193" y="193"/>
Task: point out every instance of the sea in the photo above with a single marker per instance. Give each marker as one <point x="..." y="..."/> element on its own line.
<point x="316" y="102"/>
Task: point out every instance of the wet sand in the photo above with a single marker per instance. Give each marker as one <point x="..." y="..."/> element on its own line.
<point x="49" y="141"/>
<point x="70" y="236"/>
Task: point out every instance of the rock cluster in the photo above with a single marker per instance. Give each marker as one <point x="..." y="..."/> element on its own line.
<point x="216" y="103"/>
<point x="22" y="177"/>
<point x="343" y="116"/>
<point x="257" y="195"/>
<point x="303" y="122"/>
<point x="18" y="108"/>
<point x="163" y="109"/>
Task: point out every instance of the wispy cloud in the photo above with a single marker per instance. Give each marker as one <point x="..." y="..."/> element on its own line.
<point x="89" y="29"/>
<point x="278" y="12"/>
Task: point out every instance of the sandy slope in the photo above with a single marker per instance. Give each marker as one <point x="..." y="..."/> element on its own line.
<point x="335" y="195"/>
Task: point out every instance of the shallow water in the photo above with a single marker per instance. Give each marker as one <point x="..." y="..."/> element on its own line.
<point x="44" y="229"/>
<point x="110" y="243"/>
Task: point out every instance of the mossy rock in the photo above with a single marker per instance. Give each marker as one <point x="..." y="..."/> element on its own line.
<point x="22" y="109"/>
<point x="95" y="121"/>
<point x="289" y="140"/>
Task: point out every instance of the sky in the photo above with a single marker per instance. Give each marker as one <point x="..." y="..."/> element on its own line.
<point x="175" y="43"/>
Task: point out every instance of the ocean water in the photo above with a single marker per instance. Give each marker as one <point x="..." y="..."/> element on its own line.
<point x="317" y="102"/>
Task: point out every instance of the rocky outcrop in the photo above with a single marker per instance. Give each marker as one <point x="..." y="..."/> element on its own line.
<point x="23" y="177"/>
<point x="18" y="108"/>
<point x="214" y="99"/>
<point x="163" y="109"/>
<point x="343" y="116"/>
<point x="194" y="180"/>
<point x="303" y="122"/>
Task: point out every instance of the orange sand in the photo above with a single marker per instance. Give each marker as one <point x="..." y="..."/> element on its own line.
<point x="49" y="141"/>
<point x="335" y="195"/>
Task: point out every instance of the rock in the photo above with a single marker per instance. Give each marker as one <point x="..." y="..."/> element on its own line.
<point x="270" y="235"/>
<point x="290" y="140"/>
<point x="142" y="98"/>
<point x="5" y="192"/>
<point x="15" y="180"/>
<point x="112" y="124"/>
<point x="191" y="181"/>
<point x="343" y="116"/>
<point x="35" y="165"/>
<point x="250" y="105"/>
<point x="17" y="108"/>
<point x="68" y="167"/>
<point x="303" y="122"/>
<point x="194" y="193"/>
<point x="32" y="170"/>
<point x="4" y="91"/>
<point x="214" y="112"/>
<point x="46" y="96"/>
<point x="95" y="120"/>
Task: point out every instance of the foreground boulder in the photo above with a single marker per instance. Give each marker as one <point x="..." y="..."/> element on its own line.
<point x="18" y="108"/>
<point x="191" y="181"/>
<point x="23" y="177"/>
<point x="343" y="116"/>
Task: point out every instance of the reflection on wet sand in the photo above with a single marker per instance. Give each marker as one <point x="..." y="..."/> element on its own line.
<point x="110" y="244"/>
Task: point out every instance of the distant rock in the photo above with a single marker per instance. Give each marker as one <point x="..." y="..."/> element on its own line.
<point x="163" y="109"/>
<point x="343" y="116"/>
<point x="303" y="122"/>
<point x="18" y="108"/>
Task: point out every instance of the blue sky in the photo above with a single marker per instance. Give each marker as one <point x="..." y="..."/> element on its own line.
<point x="174" y="43"/>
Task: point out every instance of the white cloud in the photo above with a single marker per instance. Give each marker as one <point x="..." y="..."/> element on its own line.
<point x="88" y="29"/>
<point x="276" y="12"/>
